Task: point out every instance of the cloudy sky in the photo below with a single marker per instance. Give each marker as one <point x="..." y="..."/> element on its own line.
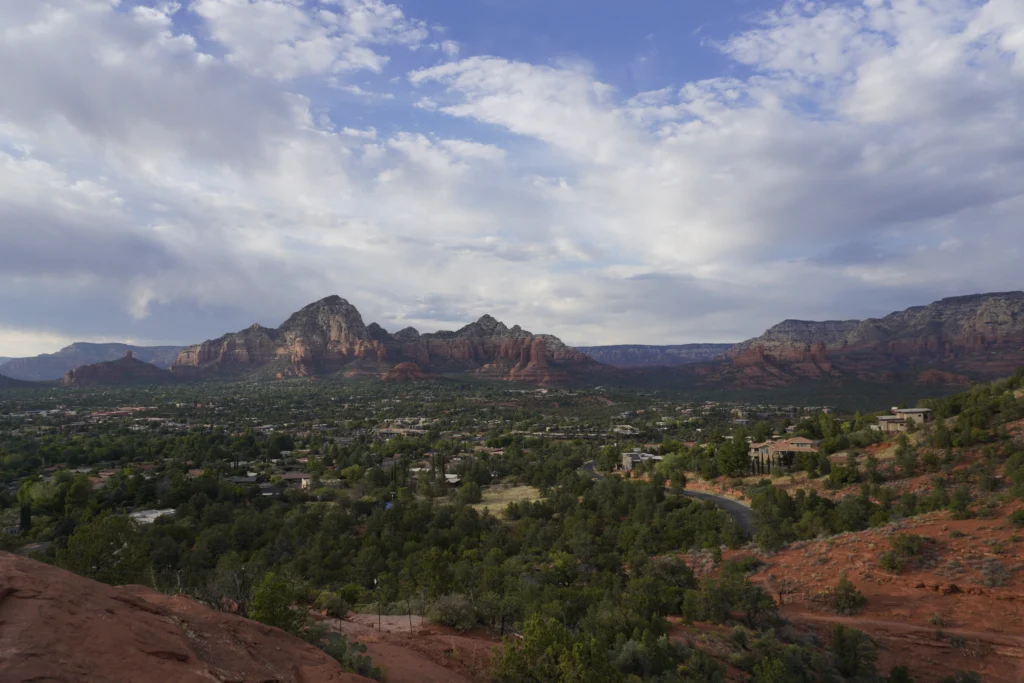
<point x="656" y="171"/>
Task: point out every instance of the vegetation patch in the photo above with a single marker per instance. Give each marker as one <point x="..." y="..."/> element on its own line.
<point x="496" y="498"/>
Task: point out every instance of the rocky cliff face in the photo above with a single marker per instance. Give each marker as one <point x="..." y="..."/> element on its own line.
<point x="980" y="335"/>
<point x="490" y="348"/>
<point x="329" y="335"/>
<point x="62" y="627"/>
<point x="126" y="370"/>
<point x="53" y="366"/>
<point x="643" y="356"/>
<point x="321" y="337"/>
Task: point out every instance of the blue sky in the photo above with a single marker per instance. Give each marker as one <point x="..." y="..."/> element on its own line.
<point x="654" y="172"/>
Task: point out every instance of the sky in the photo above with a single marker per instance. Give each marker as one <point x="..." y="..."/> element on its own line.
<point x="658" y="171"/>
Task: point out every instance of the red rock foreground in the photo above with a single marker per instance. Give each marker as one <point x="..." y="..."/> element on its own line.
<point x="56" y="626"/>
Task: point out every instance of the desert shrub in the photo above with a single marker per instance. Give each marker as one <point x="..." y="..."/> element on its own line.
<point x="845" y="598"/>
<point x="962" y="677"/>
<point x="1017" y="518"/>
<point x="456" y="611"/>
<point x="332" y="603"/>
<point x="855" y="653"/>
<point x="959" y="503"/>
<point x="899" y="674"/>
<point x="907" y="545"/>
<point x="350" y="654"/>
<point x="891" y="562"/>
<point x="743" y="565"/>
<point x="771" y="670"/>
<point x="272" y="604"/>
<point x="994" y="573"/>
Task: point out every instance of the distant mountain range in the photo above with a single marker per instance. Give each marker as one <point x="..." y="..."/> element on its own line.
<point x="949" y="342"/>
<point x="329" y="337"/>
<point x="53" y="366"/>
<point x="8" y="383"/>
<point x="643" y="356"/>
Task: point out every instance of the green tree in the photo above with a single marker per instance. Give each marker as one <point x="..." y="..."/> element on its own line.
<point x="734" y="456"/>
<point x="272" y="604"/>
<point x="854" y="651"/>
<point x="110" y="549"/>
<point x="548" y="654"/>
<point x="469" y="493"/>
<point x="771" y="670"/>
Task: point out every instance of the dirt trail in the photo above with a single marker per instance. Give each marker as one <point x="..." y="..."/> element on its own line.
<point x="896" y="628"/>
<point x="428" y="654"/>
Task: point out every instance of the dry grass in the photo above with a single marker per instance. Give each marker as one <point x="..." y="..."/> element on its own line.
<point x="497" y="498"/>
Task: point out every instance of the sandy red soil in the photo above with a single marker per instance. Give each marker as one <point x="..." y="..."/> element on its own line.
<point x="427" y="654"/>
<point x="936" y="618"/>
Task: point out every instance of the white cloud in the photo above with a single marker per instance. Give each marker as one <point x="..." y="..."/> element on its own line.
<point x="289" y="38"/>
<point x="154" y="186"/>
<point x="17" y="343"/>
<point x="449" y="48"/>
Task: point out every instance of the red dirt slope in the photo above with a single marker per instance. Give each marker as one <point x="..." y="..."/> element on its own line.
<point x="960" y="607"/>
<point x="57" y="626"/>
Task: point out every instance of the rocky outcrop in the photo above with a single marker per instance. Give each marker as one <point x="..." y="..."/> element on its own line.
<point x="489" y="348"/>
<point x="61" y="627"/>
<point x="321" y="337"/>
<point x="642" y="356"/>
<point x="329" y="336"/>
<point x="53" y="366"/>
<point x="949" y="341"/>
<point x="126" y="370"/>
<point x="406" y="372"/>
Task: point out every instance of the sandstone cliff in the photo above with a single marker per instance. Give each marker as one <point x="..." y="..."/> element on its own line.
<point x="321" y="337"/>
<point x="330" y="335"/>
<point x="61" y="627"/>
<point x="126" y="370"/>
<point x="979" y="336"/>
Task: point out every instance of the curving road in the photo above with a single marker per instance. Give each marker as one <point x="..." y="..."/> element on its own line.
<point x="743" y="515"/>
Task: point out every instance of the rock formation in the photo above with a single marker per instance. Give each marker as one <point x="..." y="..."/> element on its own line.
<point x="61" y="627"/>
<point x="127" y="370"/>
<point x="951" y="340"/>
<point x="321" y="337"/>
<point x="329" y="335"/>
<point x="643" y="356"/>
<point x="406" y="372"/>
<point x="53" y="366"/>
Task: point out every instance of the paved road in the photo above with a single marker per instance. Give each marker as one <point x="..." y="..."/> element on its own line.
<point x="743" y="515"/>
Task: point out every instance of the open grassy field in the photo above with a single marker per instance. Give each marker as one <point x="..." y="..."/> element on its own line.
<point x="496" y="498"/>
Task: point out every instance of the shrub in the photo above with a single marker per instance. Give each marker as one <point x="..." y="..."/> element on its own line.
<point x="906" y="545"/>
<point x="272" y="604"/>
<point x="994" y="572"/>
<point x="771" y="670"/>
<point x="1017" y="518"/>
<point x="899" y="674"/>
<point x="332" y="604"/>
<point x="456" y="611"/>
<point x="854" y="651"/>
<point x="891" y="562"/>
<point x="350" y="655"/>
<point x="845" y="599"/>
<point x="962" y="677"/>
